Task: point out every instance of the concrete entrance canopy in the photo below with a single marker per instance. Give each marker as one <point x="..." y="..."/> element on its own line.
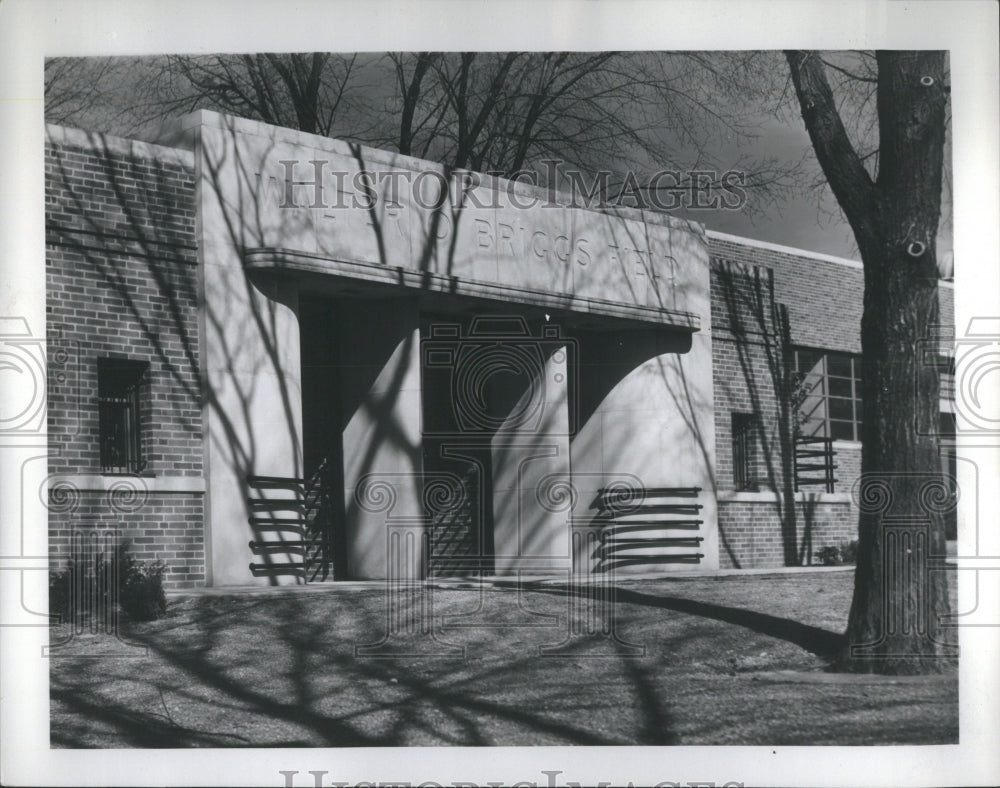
<point x="285" y="216"/>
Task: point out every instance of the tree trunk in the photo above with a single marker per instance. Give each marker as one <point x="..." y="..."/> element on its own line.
<point x="899" y="599"/>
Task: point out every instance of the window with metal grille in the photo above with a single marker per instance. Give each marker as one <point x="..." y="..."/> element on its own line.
<point x="119" y="393"/>
<point x="949" y="468"/>
<point x="947" y="368"/>
<point x="830" y="399"/>
<point x="744" y="427"/>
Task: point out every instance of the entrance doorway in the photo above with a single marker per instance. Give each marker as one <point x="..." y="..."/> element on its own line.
<point x="322" y="416"/>
<point x="494" y="405"/>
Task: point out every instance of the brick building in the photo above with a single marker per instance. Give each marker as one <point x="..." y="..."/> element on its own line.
<point x="122" y="306"/>
<point x="755" y="287"/>
<point x="274" y="386"/>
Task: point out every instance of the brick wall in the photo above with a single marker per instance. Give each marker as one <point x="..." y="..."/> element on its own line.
<point x="751" y="535"/>
<point x="121" y="274"/>
<point x="165" y="527"/>
<point x="745" y="350"/>
<point x="848" y="462"/>
<point x="824" y="297"/>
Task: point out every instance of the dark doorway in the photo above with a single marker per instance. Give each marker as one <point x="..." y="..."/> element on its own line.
<point x="492" y="406"/>
<point x="462" y="535"/>
<point x="322" y="421"/>
<point x="949" y="468"/>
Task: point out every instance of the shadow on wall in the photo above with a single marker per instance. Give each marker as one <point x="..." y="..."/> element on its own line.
<point x="757" y="328"/>
<point x="261" y="342"/>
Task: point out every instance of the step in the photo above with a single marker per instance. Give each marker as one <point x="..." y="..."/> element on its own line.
<point x="676" y="558"/>
<point x="279" y="523"/>
<point x="284" y="547"/>
<point x="675" y="492"/>
<point x="279" y="568"/>
<point x="274" y="504"/>
<point x="649" y="492"/>
<point x="659" y="541"/>
<point x="621" y="526"/>
<point x="656" y="547"/>
<point x="649" y="509"/>
<point x="275" y="482"/>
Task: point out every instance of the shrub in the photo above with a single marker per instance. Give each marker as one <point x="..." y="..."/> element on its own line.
<point x="849" y="552"/>
<point x="59" y="594"/>
<point x="829" y="555"/>
<point x="832" y="555"/>
<point x="140" y="591"/>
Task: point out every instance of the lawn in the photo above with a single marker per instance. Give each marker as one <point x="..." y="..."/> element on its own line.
<point x="721" y="660"/>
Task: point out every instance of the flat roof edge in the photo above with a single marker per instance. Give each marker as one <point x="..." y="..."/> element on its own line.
<point x="282" y="260"/>
<point x="366" y="153"/>
<point x="119" y="146"/>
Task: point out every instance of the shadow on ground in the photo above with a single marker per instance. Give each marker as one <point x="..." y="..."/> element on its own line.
<point x="675" y="663"/>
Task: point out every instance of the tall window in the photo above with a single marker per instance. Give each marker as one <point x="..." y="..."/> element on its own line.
<point x="949" y="467"/>
<point x="745" y="451"/>
<point x="830" y="394"/>
<point x="119" y="386"/>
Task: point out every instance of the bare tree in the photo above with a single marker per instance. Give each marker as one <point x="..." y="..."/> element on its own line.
<point x="85" y="91"/>
<point x="305" y="91"/>
<point x="302" y="91"/>
<point x="630" y="112"/>
<point x="634" y="111"/>
<point x="893" y="209"/>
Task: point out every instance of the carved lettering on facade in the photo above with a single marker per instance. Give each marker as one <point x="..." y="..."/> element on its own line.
<point x="402" y="204"/>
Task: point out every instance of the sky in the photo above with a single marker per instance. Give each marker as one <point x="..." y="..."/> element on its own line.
<point x="806" y="217"/>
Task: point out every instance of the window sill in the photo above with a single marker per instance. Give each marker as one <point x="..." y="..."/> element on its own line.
<point x="117" y="481"/>
<point x="770" y="497"/>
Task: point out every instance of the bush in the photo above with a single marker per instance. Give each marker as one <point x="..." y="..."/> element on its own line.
<point x="829" y="555"/>
<point x="139" y="590"/>
<point x="59" y="594"/>
<point x="849" y="552"/>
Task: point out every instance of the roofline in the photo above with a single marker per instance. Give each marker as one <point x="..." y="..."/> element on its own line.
<point x="543" y="195"/>
<point x="828" y="258"/>
<point x="796" y="252"/>
<point x="119" y="146"/>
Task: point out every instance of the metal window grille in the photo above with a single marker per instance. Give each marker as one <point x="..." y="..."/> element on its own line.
<point x="119" y="401"/>
<point x="744" y="451"/>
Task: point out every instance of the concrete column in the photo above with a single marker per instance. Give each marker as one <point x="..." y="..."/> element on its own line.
<point x="646" y="422"/>
<point x="380" y="403"/>
<point x="250" y="362"/>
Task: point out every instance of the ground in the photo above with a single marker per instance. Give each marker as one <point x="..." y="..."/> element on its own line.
<point x="720" y="660"/>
